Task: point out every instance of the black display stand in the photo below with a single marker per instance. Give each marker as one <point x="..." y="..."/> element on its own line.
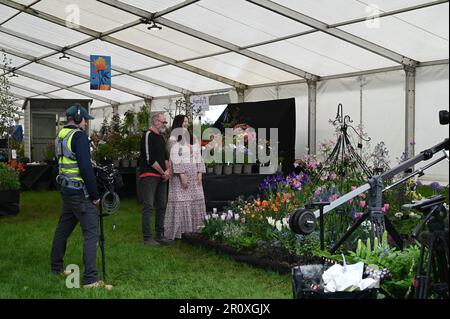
<point x="219" y="190"/>
<point x="9" y="203"/>
<point x="40" y="177"/>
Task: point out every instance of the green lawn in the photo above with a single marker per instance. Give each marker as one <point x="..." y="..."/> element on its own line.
<point x="136" y="271"/>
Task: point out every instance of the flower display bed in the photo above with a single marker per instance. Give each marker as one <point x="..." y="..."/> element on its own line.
<point x="268" y="258"/>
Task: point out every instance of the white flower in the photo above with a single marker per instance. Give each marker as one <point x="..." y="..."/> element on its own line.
<point x="286" y="222"/>
<point x="215" y="216"/>
<point x="236" y="217"/>
<point x="223" y="217"/>
<point x="207" y="217"/>
<point x="279" y="225"/>
<point x="271" y="221"/>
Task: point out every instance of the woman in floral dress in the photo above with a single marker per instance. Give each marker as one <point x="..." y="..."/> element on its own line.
<point x="186" y="203"/>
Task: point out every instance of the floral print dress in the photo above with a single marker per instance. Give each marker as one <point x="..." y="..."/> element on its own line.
<point x="186" y="208"/>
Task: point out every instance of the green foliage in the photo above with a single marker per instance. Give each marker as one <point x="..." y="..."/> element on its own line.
<point x="401" y="264"/>
<point x="104" y="151"/>
<point x="129" y="123"/>
<point x="50" y="153"/>
<point x="143" y="118"/>
<point x="9" y="179"/>
<point x="7" y="108"/>
<point x="213" y="228"/>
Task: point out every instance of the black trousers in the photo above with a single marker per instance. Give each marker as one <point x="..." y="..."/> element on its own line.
<point x="77" y="208"/>
<point x="154" y="195"/>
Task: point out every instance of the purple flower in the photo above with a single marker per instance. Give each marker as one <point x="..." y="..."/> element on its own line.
<point x="317" y="192"/>
<point x="437" y="187"/>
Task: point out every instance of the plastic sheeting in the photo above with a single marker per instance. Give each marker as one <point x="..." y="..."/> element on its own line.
<point x="432" y="96"/>
<point x="403" y="34"/>
<point x="229" y="20"/>
<point x="243" y="69"/>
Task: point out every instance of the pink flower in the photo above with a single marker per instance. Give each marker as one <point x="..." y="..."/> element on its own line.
<point x="385" y="208"/>
<point x="333" y="177"/>
<point x="362" y="204"/>
<point x="354" y="187"/>
<point x="358" y="215"/>
<point x="317" y="192"/>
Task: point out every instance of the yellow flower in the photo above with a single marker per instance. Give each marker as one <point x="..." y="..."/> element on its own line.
<point x="100" y="64"/>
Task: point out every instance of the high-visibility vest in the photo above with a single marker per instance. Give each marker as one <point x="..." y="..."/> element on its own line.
<point x="67" y="161"/>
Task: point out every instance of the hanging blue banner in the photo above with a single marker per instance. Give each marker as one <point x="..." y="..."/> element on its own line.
<point x="100" y="72"/>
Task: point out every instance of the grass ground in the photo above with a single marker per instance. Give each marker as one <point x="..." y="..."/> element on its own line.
<point x="177" y="271"/>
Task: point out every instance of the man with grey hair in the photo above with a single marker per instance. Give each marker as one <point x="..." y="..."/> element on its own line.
<point x="153" y="176"/>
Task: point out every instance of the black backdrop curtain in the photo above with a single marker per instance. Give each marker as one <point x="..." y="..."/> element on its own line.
<point x="267" y="114"/>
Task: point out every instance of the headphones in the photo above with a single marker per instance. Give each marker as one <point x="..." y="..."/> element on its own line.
<point x="77" y="117"/>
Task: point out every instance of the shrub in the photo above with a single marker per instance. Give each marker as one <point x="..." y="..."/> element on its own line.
<point x="9" y="180"/>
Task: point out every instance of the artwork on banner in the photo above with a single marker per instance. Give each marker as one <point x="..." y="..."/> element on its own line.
<point x="100" y="72"/>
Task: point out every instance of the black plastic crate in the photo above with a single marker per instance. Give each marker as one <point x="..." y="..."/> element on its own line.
<point x="301" y="286"/>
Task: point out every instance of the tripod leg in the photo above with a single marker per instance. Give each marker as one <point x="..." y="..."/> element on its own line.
<point x="426" y="281"/>
<point x="102" y="246"/>
<point x="441" y="266"/>
<point x="348" y="233"/>
<point x="419" y="280"/>
<point x="393" y="232"/>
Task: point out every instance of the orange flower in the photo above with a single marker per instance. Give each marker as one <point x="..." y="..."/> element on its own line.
<point x="100" y="64"/>
<point x="265" y="203"/>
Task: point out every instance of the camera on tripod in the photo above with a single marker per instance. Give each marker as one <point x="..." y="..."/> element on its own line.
<point x="109" y="182"/>
<point x="108" y="178"/>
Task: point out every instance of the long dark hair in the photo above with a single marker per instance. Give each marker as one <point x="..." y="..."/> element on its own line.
<point x="178" y="123"/>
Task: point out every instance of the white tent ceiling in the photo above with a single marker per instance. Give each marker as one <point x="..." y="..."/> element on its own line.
<point x="212" y="45"/>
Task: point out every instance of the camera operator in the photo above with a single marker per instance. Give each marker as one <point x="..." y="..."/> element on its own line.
<point x="79" y="195"/>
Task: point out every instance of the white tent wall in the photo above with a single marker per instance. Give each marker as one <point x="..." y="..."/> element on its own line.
<point x="383" y="111"/>
<point x="330" y="94"/>
<point x="432" y="95"/>
<point x="300" y="93"/>
<point x="377" y="101"/>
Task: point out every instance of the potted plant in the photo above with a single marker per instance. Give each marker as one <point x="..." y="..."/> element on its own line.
<point x="218" y="168"/>
<point x="248" y="167"/>
<point x="9" y="190"/>
<point x="210" y="167"/>
<point x="227" y="168"/>
<point x="50" y="154"/>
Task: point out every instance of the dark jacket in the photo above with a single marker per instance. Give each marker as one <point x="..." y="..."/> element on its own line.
<point x="80" y="146"/>
<point x="154" y="152"/>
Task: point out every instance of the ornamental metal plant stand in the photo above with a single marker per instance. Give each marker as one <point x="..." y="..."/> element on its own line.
<point x="350" y="165"/>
